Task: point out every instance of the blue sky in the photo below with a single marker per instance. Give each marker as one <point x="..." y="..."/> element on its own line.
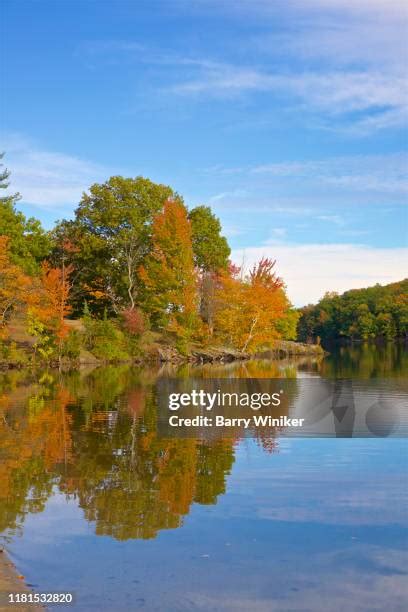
<point x="288" y="118"/>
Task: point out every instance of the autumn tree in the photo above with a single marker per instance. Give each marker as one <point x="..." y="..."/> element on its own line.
<point x="112" y="233"/>
<point x="47" y="317"/>
<point x="249" y="309"/>
<point x="168" y="273"/>
<point x="15" y="286"/>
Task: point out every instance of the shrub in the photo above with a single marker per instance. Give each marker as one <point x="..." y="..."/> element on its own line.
<point x="11" y="354"/>
<point x="72" y="344"/>
<point x="105" y="340"/>
<point x="133" y="321"/>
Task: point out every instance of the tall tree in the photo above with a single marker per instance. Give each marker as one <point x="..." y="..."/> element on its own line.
<point x="168" y="273"/>
<point x="47" y="317"/>
<point x="211" y="253"/>
<point x="15" y="286"/>
<point x="112" y="233"/>
<point x="211" y="250"/>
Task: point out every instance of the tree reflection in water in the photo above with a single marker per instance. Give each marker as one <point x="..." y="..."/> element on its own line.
<point x="93" y="437"/>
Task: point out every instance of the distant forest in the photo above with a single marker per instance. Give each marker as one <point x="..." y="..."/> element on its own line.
<point x="358" y="314"/>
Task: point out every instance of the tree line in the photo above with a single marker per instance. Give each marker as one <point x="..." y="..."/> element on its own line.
<point x="134" y="263"/>
<point x="358" y="314"/>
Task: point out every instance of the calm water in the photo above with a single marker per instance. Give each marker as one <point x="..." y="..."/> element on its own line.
<point x="93" y="501"/>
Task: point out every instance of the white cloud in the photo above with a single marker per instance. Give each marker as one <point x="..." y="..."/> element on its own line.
<point x="231" y="231"/>
<point x="293" y="210"/>
<point x="336" y="219"/>
<point x="334" y="93"/>
<point x="334" y="58"/>
<point x="312" y="269"/>
<point x="379" y="173"/>
<point x="279" y="231"/>
<point x="333" y="31"/>
<point x="47" y="179"/>
<point x="345" y="57"/>
<point x="277" y="236"/>
<point x="236" y="193"/>
<point x="385" y="7"/>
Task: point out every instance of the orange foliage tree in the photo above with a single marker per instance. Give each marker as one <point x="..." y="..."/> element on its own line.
<point x="56" y="287"/>
<point x="248" y="309"/>
<point x="15" y="286"/>
<point x="168" y="273"/>
<point x="48" y="315"/>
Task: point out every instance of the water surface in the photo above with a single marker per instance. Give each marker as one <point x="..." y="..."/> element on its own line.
<point x="93" y="501"/>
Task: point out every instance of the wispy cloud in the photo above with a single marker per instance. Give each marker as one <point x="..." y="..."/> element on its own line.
<point x="342" y="62"/>
<point x="225" y="195"/>
<point x="278" y="235"/>
<point x="345" y="59"/>
<point x="336" y="219"/>
<point x="335" y="93"/>
<point x="48" y="179"/>
<point x="332" y="32"/>
<point x="362" y="176"/>
<point x="376" y="173"/>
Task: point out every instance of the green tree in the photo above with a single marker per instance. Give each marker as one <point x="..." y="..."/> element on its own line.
<point x="287" y="325"/>
<point x="400" y="313"/>
<point x="111" y="234"/>
<point x="29" y="244"/>
<point x="386" y="325"/>
<point x="366" y="323"/>
<point x="211" y="253"/>
<point x="378" y="311"/>
<point x="211" y="250"/>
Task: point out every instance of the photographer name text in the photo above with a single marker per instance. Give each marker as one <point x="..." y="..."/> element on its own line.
<point x="221" y="421"/>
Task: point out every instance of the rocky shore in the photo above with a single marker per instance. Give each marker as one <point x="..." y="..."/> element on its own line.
<point x="290" y="348"/>
<point x="282" y="350"/>
<point x="158" y="352"/>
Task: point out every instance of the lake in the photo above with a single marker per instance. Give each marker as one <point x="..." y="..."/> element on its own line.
<point x="95" y="502"/>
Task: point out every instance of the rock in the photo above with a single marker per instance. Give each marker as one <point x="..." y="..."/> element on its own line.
<point x="289" y="348"/>
<point x="169" y="354"/>
<point x="86" y="358"/>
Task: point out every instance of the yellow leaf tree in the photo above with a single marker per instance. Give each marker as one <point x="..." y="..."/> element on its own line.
<point x="169" y="277"/>
<point x="47" y="316"/>
<point x="15" y="286"/>
<point x="249" y="309"/>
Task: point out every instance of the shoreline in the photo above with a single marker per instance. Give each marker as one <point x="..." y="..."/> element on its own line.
<point x="165" y="353"/>
<point x="11" y="581"/>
